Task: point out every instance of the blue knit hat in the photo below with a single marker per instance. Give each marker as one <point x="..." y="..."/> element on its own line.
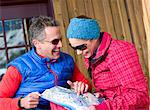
<point x="82" y="28"/>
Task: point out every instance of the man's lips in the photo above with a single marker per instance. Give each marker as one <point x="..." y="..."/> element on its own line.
<point x="56" y="51"/>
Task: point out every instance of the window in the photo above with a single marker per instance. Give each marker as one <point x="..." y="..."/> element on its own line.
<point x="13" y="40"/>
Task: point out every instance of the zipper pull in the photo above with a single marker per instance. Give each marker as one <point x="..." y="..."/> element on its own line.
<point x="48" y="66"/>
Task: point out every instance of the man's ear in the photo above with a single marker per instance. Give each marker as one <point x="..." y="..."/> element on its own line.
<point x="35" y="42"/>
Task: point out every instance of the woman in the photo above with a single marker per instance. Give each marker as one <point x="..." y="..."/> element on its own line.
<point x="112" y="64"/>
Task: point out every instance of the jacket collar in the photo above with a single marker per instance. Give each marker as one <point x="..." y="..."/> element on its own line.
<point x="106" y="40"/>
<point x="102" y="48"/>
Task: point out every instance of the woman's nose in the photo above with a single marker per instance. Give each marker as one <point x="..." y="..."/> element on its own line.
<point x="79" y="52"/>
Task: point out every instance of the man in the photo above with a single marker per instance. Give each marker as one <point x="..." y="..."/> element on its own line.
<point x="112" y="64"/>
<point x="39" y="69"/>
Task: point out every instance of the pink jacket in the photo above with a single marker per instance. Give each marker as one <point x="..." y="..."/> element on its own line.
<point x="117" y="75"/>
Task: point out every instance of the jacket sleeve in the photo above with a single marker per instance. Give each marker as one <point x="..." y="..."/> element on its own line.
<point x="133" y="90"/>
<point x="102" y="106"/>
<point x="78" y="76"/>
<point x="56" y="107"/>
<point x="8" y="87"/>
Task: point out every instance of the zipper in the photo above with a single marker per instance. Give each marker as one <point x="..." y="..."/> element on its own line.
<point x="55" y="75"/>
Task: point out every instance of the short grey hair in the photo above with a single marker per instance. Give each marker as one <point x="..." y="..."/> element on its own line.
<point x="38" y="24"/>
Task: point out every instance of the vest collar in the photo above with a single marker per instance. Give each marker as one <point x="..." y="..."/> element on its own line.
<point x="38" y="57"/>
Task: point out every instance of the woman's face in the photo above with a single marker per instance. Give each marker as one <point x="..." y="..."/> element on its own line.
<point x="84" y="47"/>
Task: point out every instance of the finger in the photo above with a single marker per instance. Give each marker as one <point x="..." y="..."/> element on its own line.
<point x="32" y="98"/>
<point x="35" y="95"/>
<point x="86" y="88"/>
<point x="97" y="95"/>
<point x="79" y="88"/>
<point x="75" y="86"/>
<point x="70" y="83"/>
<point x="33" y="105"/>
<point x="82" y="88"/>
<point x="92" y="107"/>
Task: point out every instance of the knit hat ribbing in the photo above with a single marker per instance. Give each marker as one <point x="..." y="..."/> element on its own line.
<point x="82" y="28"/>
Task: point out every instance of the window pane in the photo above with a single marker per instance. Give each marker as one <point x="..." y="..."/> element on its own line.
<point x="1" y="36"/>
<point x="2" y="71"/>
<point x="14" y="32"/>
<point x="2" y="59"/>
<point x="1" y="29"/>
<point x="14" y="53"/>
<point x="1" y="42"/>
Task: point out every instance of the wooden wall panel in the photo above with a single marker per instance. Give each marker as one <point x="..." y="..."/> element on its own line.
<point x="146" y="20"/>
<point x="89" y="8"/>
<point x="99" y="13"/>
<point x="133" y="7"/>
<point x="121" y="18"/>
<point x="108" y="18"/>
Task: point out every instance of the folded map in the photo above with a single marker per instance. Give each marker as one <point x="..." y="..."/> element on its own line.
<point x="69" y="99"/>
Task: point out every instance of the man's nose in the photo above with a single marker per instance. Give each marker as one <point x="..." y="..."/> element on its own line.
<point x="60" y="44"/>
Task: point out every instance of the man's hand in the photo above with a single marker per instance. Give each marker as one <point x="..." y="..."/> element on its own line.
<point x="78" y="86"/>
<point x="30" y="101"/>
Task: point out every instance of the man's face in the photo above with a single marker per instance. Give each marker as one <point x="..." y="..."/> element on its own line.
<point x="50" y="46"/>
<point x="84" y="47"/>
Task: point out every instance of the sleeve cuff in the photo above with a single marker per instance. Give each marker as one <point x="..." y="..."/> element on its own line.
<point x="102" y="106"/>
<point x="15" y="103"/>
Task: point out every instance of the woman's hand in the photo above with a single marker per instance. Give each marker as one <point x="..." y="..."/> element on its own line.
<point x="78" y="86"/>
<point x="92" y="107"/>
